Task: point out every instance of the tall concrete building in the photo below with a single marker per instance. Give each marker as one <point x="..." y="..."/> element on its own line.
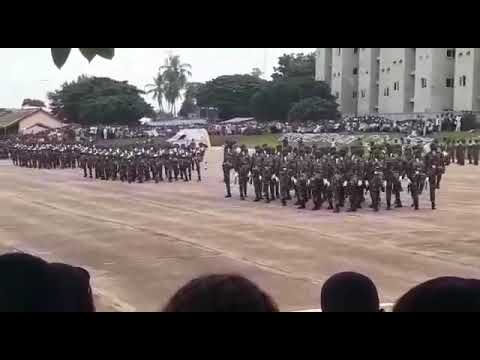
<point x="401" y="80"/>
<point x="434" y="85"/>
<point x="467" y="79"/>
<point x="344" y="78"/>
<point x="368" y="80"/>
<point x="396" y="80"/>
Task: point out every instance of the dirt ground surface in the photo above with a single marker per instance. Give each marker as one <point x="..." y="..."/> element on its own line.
<point x="140" y="242"/>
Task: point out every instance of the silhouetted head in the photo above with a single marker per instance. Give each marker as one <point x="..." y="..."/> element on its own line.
<point x="221" y="293"/>
<point x="443" y="294"/>
<point x="349" y="292"/>
<point x="73" y="286"/>
<point x="25" y="284"/>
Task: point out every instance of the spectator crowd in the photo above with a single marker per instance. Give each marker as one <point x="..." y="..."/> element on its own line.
<point x="31" y="284"/>
<point x="418" y="126"/>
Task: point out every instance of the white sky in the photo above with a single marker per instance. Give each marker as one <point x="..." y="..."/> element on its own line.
<point x="31" y="73"/>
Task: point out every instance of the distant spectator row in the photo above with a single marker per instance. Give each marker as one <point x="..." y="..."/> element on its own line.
<point x="30" y="284"/>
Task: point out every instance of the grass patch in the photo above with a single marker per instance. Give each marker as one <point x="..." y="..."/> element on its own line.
<point x="254" y="140"/>
<point x="248" y="140"/>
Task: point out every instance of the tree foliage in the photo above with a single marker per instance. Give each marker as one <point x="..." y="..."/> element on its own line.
<point x="33" y="102"/>
<point x="189" y="104"/>
<point x="313" y="109"/>
<point x="60" y="55"/>
<point x="169" y="82"/>
<point x="274" y="101"/>
<point x="256" y="72"/>
<point x="295" y="65"/>
<point x="99" y="100"/>
<point x="175" y="75"/>
<point x="230" y="94"/>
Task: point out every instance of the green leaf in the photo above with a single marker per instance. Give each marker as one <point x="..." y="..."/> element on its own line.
<point x="60" y="56"/>
<point x="88" y="53"/>
<point x="106" y="53"/>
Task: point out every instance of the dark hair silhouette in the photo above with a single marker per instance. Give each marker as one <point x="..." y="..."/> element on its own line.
<point x="74" y="293"/>
<point x="220" y="293"/>
<point x="442" y="294"/>
<point x="349" y="292"/>
<point x="25" y="284"/>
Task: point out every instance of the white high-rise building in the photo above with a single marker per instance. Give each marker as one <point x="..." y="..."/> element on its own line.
<point x="368" y="80"/>
<point x="344" y="78"/>
<point x="467" y="79"/>
<point x="434" y="83"/>
<point x="401" y="80"/>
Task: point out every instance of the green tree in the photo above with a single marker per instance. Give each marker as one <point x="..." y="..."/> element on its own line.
<point x="295" y="65"/>
<point x="230" y="94"/>
<point x="275" y="99"/>
<point x="33" y="102"/>
<point x="256" y="72"/>
<point x="156" y="89"/>
<point x="189" y="104"/>
<point x="99" y="100"/>
<point x="174" y="75"/>
<point x="313" y="109"/>
<point x="60" y="55"/>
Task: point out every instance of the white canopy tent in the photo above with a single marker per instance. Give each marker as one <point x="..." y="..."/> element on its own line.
<point x="186" y="136"/>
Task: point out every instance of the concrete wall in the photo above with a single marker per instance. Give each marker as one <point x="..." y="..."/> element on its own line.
<point x="39" y="118"/>
<point x="467" y="64"/>
<point x="323" y="65"/>
<point x="344" y="82"/>
<point x="433" y="65"/>
<point x="368" y="72"/>
<point x="396" y="67"/>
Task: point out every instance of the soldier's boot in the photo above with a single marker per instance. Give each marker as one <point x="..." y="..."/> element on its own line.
<point x="337" y="208"/>
<point x="330" y="205"/>
<point x="284" y="202"/>
<point x="398" y="203"/>
<point x="433" y="205"/>
<point x="302" y="205"/>
<point x="316" y="207"/>
<point x="388" y="205"/>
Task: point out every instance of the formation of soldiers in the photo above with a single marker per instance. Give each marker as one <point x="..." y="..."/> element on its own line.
<point x="337" y="176"/>
<point x="135" y="163"/>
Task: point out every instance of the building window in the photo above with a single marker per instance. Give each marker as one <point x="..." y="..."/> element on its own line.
<point x="388" y="70"/>
<point x="460" y="54"/>
<point x="339" y="51"/>
<point x="451" y="53"/>
<point x="338" y="74"/>
<point x="423" y="82"/>
<point x="449" y="82"/>
<point x="355" y="94"/>
<point x="463" y="80"/>
<point x="334" y="75"/>
<point x="355" y="50"/>
<point x="468" y="52"/>
<point x="400" y="61"/>
<point x="366" y="72"/>
<point x="363" y="93"/>
<point x="395" y="62"/>
<point x="386" y="92"/>
<point x="383" y="70"/>
<point x="396" y="85"/>
<point x="355" y="71"/>
<point x="337" y="94"/>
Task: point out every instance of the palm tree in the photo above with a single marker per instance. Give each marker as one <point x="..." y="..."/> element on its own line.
<point x="175" y="76"/>
<point x="157" y="91"/>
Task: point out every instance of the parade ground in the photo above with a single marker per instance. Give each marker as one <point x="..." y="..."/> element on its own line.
<point x="141" y="242"/>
